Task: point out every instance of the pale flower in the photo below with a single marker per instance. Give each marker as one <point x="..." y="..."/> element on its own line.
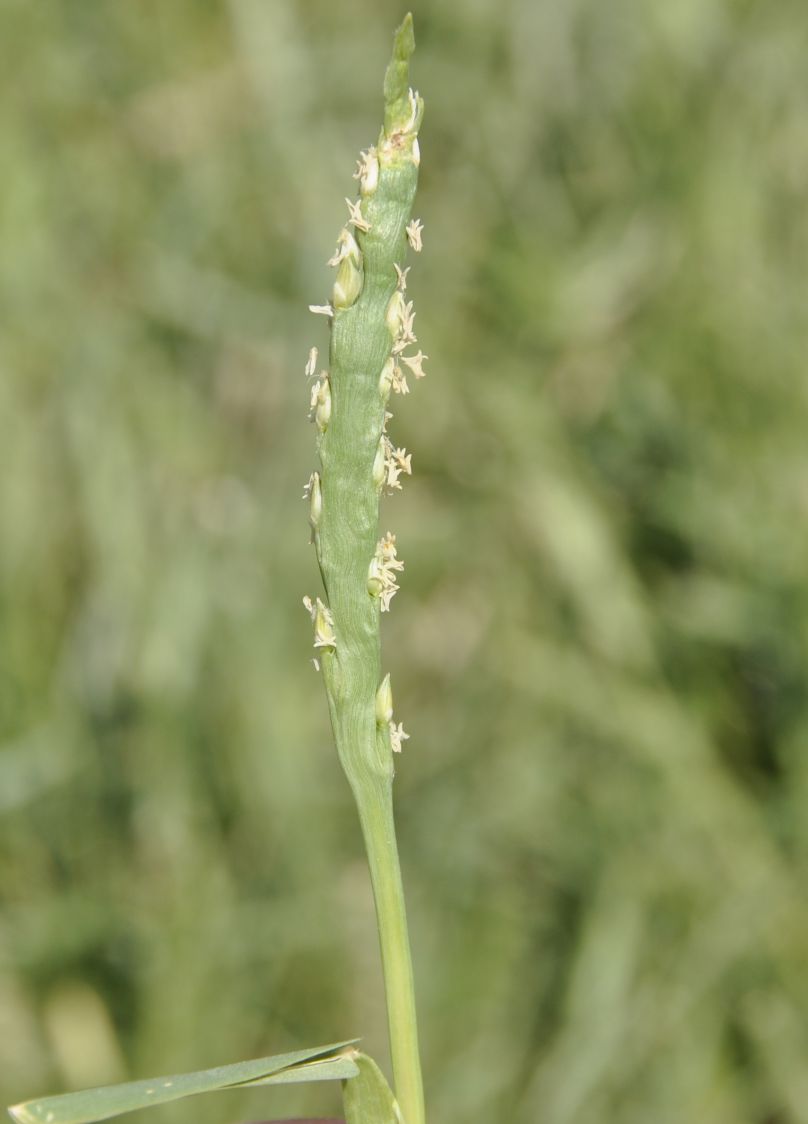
<point x="414" y="230"/>
<point x="397" y="736"/>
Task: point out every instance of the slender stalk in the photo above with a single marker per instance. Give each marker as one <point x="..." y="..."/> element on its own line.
<point x="376" y="816"/>
<point x="371" y="327"/>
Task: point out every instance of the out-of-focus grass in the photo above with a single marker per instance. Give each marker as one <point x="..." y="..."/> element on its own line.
<point x="600" y="645"/>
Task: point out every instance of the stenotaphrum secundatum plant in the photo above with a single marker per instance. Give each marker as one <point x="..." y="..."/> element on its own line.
<point x="371" y="357"/>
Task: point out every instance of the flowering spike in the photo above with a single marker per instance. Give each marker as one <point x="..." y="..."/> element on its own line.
<point x="371" y="325"/>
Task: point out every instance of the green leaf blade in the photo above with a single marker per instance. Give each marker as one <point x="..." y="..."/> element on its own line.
<point x="91" y="1105"/>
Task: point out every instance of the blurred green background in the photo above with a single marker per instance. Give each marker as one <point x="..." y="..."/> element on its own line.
<point x="599" y="649"/>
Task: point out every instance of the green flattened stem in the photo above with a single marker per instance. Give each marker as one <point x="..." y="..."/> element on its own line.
<point x="370" y="320"/>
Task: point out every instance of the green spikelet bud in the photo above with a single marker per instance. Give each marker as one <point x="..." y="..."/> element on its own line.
<point x="384" y="702"/>
<point x="350" y="275"/>
<point x="322" y="412"/>
<point x="396" y="310"/>
<point x="347" y="284"/>
<point x="386" y="378"/>
<point x="379" y="465"/>
<point x="324" y="636"/>
<point x="375" y="577"/>
<point x="315" y="501"/>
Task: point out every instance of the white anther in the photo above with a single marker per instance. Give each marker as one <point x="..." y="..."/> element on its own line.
<point x="414" y="231"/>
<point x="416" y="363"/>
<point x="355" y="215"/>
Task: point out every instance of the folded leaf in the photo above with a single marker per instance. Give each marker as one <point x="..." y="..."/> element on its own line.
<point x="338" y="1068"/>
<point x="320" y="1063"/>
